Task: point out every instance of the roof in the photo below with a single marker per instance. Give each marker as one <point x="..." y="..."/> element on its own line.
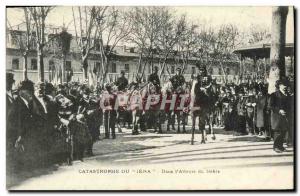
<point x="262" y="49"/>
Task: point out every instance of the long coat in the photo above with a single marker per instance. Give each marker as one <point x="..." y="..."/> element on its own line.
<point x="279" y="101"/>
<point x="20" y="122"/>
<point x="261" y="105"/>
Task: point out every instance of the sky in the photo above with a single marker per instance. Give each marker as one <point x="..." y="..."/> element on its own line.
<point x="242" y="16"/>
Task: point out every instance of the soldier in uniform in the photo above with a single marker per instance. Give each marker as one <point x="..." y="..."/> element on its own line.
<point x="109" y="100"/>
<point x="153" y="78"/>
<point x="177" y="80"/>
<point x="122" y="82"/>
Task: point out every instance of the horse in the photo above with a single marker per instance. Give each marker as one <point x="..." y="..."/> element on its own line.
<point x="203" y="101"/>
<point x="151" y="101"/>
<point x="180" y="113"/>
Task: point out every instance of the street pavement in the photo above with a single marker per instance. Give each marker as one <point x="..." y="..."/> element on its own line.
<point x="169" y="161"/>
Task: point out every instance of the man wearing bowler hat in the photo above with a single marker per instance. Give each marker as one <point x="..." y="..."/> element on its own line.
<point x="280" y="107"/>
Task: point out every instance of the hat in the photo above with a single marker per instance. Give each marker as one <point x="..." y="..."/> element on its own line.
<point x="10" y="77"/>
<point x="178" y="69"/>
<point x="27" y="85"/>
<point x="107" y="86"/>
<point x="122" y="72"/>
<point x="49" y="88"/>
<point x="283" y="81"/>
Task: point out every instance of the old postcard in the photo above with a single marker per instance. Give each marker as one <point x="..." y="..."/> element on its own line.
<point x="150" y="98"/>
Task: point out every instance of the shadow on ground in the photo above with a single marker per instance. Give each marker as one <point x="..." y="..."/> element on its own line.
<point x="18" y="177"/>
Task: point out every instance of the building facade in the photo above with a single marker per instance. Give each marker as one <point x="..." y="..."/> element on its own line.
<point x="124" y="58"/>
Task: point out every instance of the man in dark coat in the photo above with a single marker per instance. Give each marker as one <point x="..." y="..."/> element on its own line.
<point x="280" y="107"/>
<point x="122" y="82"/>
<point x="20" y="134"/>
<point x="153" y="78"/>
<point x="177" y="80"/>
<point x="9" y="95"/>
<point x="261" y="111"/>
<point x="52" y="135"/>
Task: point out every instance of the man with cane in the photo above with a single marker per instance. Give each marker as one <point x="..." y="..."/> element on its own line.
<point x="280" y="107"/>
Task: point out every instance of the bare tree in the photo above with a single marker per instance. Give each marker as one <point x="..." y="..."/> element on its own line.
<point x="114" y="27"/>
<point x="169" y="37"/>
<point x="86" y="30"/>
<point x="226" y="41"/>
<point x="187" y="44"/>
<point x="24" y="39"/>
<point x="147" y="23"/>
<point x="257" y="33"/>
<point x="205" y="43"/>
<point x="39" y="15"/>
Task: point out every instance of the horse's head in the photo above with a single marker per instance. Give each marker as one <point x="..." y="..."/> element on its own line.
<point x="167" y="88"/>
<point x="153" y="89"/>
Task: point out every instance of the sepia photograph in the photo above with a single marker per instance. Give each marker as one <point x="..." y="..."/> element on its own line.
<point x="141" y="98"/>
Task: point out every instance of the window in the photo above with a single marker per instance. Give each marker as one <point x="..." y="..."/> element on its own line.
<point x="68" y="65"/>
<point x="98" y="65"/>
<point x="193" y="70"/>
<point x="227" y="70"/>
<point x="15" y="64"/>
<point x="126" y="68"/>
<point x="131" y="50"/>
<point x="33" y="64"/>
<point x="14" y="38"/>
<point x="220" y="71"/>
<point x="113" y="68"/>
<point x="51" y="65"/>
<point x="97" y="45"/>
<point x="172" y="69"/>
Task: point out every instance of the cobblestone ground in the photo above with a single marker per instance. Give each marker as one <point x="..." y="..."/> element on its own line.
<point x="168" y="161"/>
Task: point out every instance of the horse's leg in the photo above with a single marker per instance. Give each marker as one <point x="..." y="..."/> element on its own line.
<point x="193" y="128"/>
<point x="178" y="121"/>
<point x="211" y="126"/>
<point x="173" y="120"/>
<point x="168" y="120"/>
<point x="202" y="128"/>
<point x="136" y="124"/>
<point x="133" y="122"/>
<point x="159" y="118"/>
<point x="184" y="121"/>
<point x="118" y="122"/>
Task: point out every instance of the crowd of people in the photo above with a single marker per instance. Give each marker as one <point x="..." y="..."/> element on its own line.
<point x="49" y="124"/>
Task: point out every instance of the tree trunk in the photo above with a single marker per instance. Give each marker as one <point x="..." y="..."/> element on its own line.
<point x="40" y="61"/>
<point x="85" y="69"/>
<point x="279" y="16"/>
<point x="63" y="70"/>
<point x="25" y="66"/>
